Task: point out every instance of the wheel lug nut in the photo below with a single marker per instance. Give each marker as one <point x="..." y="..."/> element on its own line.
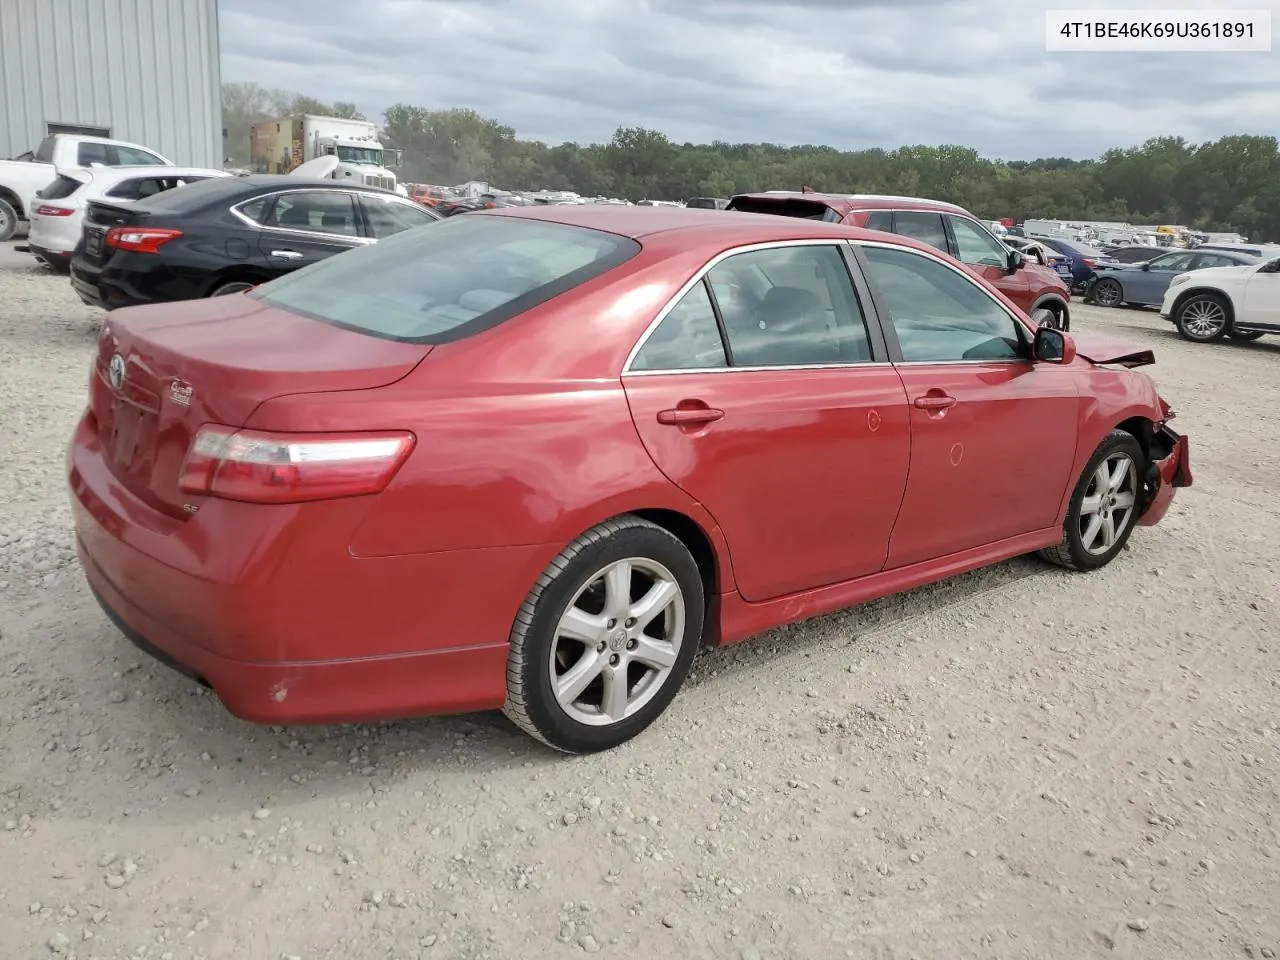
<point x="611" y="624"/>
<point x="600" y="647"/>
<point x="632" y="644"/>
<point x="631" y="622"/>
<point x="614" y="660"/>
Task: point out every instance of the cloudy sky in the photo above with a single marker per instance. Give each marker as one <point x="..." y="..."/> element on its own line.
<point x="848" y="73"/>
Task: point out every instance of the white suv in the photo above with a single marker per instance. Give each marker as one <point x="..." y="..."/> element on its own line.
<point x="1238" y="302"/>
<point x="57" y="214"/>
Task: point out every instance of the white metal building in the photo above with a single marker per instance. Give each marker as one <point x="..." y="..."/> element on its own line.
<point x="139" y="70"/>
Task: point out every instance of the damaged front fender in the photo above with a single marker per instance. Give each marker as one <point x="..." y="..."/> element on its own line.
<point x="1168" y="469"/>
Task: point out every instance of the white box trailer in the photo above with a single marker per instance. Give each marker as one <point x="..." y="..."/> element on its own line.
<point x="283" y="144"/>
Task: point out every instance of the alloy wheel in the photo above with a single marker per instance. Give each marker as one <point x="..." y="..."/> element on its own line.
<point x="1203" y="319"/>
<point x="1109" y="502"/>
<point x="617" y="642"/>
<point x="1106" y="293"/>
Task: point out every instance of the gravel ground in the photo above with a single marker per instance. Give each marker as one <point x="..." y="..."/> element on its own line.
<point x="1015" y="763"/>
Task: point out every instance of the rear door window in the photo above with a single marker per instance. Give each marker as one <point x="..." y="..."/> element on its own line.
<point x="318" y="211"/>
<point x="131" y="156"/>
<point x="386" y="217"/>
<point x="790" y="306"/>
<point x="925" y="227"/>
<point x="464" y="275"/>
<point x="880" y="220"/>
<point x="1214" y="260"/>
<point x="687" y="338"/>
<point x="89" y="152"/>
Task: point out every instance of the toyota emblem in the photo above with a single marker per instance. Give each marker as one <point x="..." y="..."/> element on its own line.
<point x="116" y="371"/>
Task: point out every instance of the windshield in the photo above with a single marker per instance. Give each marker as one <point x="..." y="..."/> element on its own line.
<point x="360" y="155"/>
<point x="449" y="279"/>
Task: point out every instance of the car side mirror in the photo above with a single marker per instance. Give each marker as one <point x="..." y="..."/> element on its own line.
<point x="1054" y="346"/>
<point x="1016" y="260"/>
<point x="1146" y="267"/>
<point x="1272" y="266"/>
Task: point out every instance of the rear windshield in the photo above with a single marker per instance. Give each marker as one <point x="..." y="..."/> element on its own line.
<point x="788" y="207"/>
<point x="62" y="187"/>
<point x="450" y="279"/>
<point x="140" y="188"/>
<point x="196" y="196"/>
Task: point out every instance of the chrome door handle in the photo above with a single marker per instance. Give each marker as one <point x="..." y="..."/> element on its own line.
<point x="286" y="254"/>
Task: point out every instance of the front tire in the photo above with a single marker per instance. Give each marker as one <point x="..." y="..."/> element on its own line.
<point x="606" y="637"/>
<point x="1104" y="506"/>
<point x="1203" y="317"/>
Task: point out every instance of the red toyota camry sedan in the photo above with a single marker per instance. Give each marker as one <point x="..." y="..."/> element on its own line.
<point x="532" y="459"/>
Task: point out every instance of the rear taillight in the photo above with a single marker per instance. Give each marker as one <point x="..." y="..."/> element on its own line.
<point x="1089" y="262"/>
<point x="48" y="211"/>
<point x="258" y="467"/>
<point x="140" y="240"/>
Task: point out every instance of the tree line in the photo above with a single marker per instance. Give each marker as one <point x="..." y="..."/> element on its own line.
<point x="1230" y="184"/>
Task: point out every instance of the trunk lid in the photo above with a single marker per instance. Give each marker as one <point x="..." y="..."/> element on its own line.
<point x="162" y="371"/>
<point x="99" y="218"/>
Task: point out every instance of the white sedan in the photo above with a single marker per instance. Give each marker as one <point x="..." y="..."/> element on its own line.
<point x="57" y="216"/>
<point x="1242" y="303"/>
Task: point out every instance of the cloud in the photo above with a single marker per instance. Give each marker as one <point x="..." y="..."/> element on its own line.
<point x="848" y="73"/>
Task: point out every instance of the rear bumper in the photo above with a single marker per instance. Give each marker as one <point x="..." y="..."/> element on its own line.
<point x="269" y="608"/>
<point x="86" y="287"/>
<point x="49" y="256"/>
<point x="1166" y="475"/>
<point x="56" y="236"/>
<point x="312" y="692"/>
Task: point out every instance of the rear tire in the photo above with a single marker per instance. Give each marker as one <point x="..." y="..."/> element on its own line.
<point x="591" y="663"/>
<point x="1203" y="317"/>
<point x="235" y="286"/>
<point x="8" y="220"/>
<point x="1104" y="506"/>
<point x="1107" y="293"/>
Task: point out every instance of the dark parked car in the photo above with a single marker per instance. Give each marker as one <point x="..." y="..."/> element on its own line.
<point x="1083" y="259"/>
<point x="1144" y="284"/>
<point x="1134" y="253"/>
<point x="227" y="235"/>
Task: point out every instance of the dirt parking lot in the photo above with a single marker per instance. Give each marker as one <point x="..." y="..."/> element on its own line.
<point x="1015" y="763"/>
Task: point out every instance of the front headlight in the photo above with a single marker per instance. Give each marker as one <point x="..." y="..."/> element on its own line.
<point x="1180" y="278"/>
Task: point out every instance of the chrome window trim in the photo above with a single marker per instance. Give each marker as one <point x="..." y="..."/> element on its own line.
<point x="697" y="278"/>
<point x="249" y="221"/>
<point x="955" y="267"/>
<point x="790" y="367"/>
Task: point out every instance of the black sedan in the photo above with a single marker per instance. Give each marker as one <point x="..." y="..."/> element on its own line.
<point x="225" y="235"/>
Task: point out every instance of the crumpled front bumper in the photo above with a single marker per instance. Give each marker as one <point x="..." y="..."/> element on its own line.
<point x="1169" y="469"/>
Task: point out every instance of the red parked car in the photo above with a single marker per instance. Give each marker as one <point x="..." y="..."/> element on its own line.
<point x="1037" y="289"/>
<point x="534" y="458"/>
